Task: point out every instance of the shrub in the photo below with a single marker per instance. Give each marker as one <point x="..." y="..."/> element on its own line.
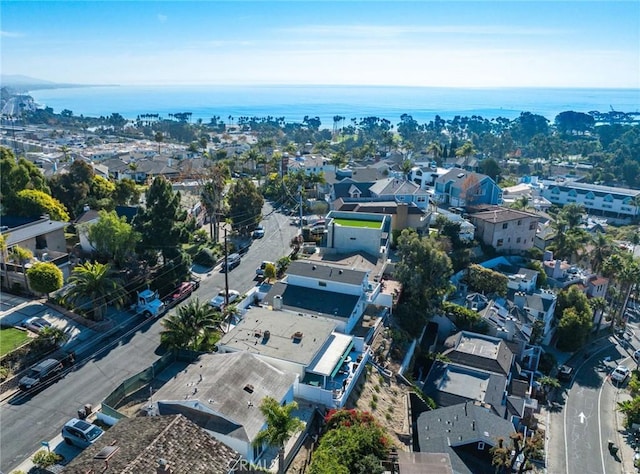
<point x="205" y="258"/>
<point x="44" y="459"/>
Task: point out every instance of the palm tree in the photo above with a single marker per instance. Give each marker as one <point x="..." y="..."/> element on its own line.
<point x="22" y="256"/>
<point x="92" y="284"/>
<point x="598" y="305"/>
<point x="159" y="138"/>
<point x="602" y="249"/>
<point x="436" y="151"/>
<point x="465" y="151"/>
<point x="193" y="326"/>
<point x="281" y="426"/>
<point x="338" y="159"/>
<point x="52" y="336"/>
<point x="3" y="252"/>
<point x="522" y="203"/>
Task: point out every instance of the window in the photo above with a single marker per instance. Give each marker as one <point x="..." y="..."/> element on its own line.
<point x="505" y="225"/>
<point x="533" y="226"/>
<point x="322" y="283"/>
<point x="519" y="222"/>
<point x="480" y="446"/>
<point x="500" y="242"/>
<point x="518" y="240"/>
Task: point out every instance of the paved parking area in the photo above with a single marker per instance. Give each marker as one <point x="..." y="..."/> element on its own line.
<point x="24" y="309"/>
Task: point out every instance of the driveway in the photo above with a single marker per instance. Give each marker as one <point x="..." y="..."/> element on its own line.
<point x="75" y="332"/>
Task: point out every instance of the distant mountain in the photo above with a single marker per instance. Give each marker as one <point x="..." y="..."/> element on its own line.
<point x="15" y="80"/>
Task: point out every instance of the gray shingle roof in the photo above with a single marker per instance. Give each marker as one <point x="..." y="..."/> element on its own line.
<point x="480" y="351"/>
<point x="450" y="384"/>
<point x="142" y="441"/>
<point x="447" y="430"/>
<point x="341" y="189"/>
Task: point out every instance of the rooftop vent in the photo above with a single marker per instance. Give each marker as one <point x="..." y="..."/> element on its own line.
<point x="297" y="336"/>
<point x="266" y="335"/>
<point x="248" y="388"/>
<point x="313" y="267"/>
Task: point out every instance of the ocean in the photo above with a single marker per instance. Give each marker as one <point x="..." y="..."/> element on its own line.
<point x="295" y="102"/>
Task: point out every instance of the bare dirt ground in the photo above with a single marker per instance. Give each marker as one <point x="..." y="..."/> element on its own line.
<point x="384" y="397"/>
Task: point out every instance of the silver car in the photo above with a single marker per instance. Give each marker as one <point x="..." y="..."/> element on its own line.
<point x="80" y="433"/>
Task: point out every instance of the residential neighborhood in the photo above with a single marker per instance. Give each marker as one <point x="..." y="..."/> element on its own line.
<point x="240" y="301"/>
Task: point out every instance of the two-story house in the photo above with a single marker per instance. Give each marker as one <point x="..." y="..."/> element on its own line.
<point x="42" y="236"/>
<point x="463" y="188"/>
<point x="326" y="291"/>
<point x="327" y="363"/>
<point x="506" y="230"/>
<point x="359" y="231"/>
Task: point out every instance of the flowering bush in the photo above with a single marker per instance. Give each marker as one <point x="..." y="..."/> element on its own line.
<point x="353" y="443"/>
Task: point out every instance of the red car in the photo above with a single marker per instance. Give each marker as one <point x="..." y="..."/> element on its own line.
<point x="182" y="292"/>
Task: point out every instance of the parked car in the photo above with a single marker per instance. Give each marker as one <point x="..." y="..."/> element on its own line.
<point x="620" y="373"/>
<point x="40" y="373"/>
<point x="36" y="324"/>
<point x="258" y="233"/>
<point x="80" y="433"/>
<point x="233" y="261"/>
<point x="182" y="292"/>
<point x="565" y="373"/>
<point x="218" y="301"/>
<point x="263" y="265"/>
<point x="636" y="356"/>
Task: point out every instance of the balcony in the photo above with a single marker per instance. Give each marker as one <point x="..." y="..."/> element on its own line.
<point x="334" y="389"/>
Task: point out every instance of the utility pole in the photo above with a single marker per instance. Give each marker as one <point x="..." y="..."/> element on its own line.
<point x="300" y="205"/>
<point x="226" y="270"/>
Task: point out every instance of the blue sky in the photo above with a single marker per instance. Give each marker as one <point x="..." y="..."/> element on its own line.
<point x="419" y="43"/>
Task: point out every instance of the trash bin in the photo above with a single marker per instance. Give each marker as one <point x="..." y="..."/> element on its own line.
<point x="82" y="414"/>
<point x="88" y="409"/>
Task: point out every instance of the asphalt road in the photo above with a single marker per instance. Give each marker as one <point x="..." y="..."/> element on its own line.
<point x="26" y="421"/>
<point x="581" y="429"/>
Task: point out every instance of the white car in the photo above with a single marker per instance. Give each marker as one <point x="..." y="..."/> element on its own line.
<point x="620" y="373"/>
<point x="219" y="301"/>
<point x="36" y="324"/>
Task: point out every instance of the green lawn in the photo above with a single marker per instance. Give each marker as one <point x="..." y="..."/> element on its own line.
<point x="10" y="338"/>
<point x="358" y="223"/>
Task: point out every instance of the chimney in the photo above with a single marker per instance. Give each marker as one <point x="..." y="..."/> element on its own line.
<point x="163" y="467"/>
<point x="277" y="303"/>
<point x="519" y="299"/>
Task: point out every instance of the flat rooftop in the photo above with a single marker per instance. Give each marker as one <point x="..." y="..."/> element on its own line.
<point x="368" y="224"/>
<point x="231" y="385"/>
<point x="478" y="346"/>
<point x="464" y="382"/>
<point x="310" y="301"/>
<point x="271" y="333"/>
<point x="361" y="261"/>
<point x="305" y="268"/>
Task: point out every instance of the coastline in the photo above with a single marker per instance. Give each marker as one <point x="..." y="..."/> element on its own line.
<point x="294" y="102"/>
